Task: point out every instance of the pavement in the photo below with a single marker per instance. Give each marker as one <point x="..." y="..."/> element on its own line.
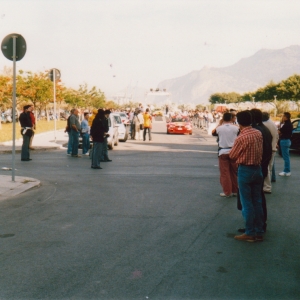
<point x="149" y="225"/>
<point x="44" y="141"/>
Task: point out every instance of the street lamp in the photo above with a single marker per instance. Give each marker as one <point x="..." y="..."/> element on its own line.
<point x="275" y="111"/>
<point x="253" y="98"/>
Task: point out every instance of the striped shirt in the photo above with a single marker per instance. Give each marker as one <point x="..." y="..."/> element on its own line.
<point x="248" y="147"/>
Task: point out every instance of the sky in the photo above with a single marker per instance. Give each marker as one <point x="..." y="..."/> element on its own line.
<point x="114" y="44"/>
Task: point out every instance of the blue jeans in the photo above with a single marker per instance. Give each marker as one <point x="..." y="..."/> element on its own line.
<point x="250" y="181"/>
<point x="85" y="143"/>
<point x="75" y="142"/>
<point x="96" y="154"/>
<point x="70" y="143"/>
<point x="285" y="152"/>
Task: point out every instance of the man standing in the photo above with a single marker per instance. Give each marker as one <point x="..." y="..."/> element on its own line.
<point x="274" y="132"/>
<point x="85" y="131"/>
<point x="227" y="133"/>
<point x="285" y="134"/>
<point x="26" y="131"/>
<point x="147" y="124"/>
<point x="105" y="157"/>
<point x="75" y="131"/>
<point x="247" y="152"/>
<point x="98" y="136"/>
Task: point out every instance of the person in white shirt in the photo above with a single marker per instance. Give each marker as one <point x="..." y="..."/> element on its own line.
<point x="274" y="132"/>
<point x="139" y="128"/>
<point x="227" y="133"/>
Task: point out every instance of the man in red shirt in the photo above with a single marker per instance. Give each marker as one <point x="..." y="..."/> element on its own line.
<point x="247" y="152"/>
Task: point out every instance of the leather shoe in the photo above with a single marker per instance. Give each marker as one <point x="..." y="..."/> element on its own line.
<point x="245" y="237"/>
<point x="109" y="159"/>
<point x="28" y="159"/>
<point x="96" y="167"/>
<point x="242" y="230"/>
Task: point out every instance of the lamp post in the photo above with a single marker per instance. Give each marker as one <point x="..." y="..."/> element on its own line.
<point x="275" y="111"/>
<point x="253" y="98"/>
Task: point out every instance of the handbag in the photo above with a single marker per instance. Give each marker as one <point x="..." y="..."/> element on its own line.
<point x="141" y="126"/>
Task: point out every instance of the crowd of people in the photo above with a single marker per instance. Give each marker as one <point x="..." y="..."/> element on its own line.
<point x="247" y="144"/>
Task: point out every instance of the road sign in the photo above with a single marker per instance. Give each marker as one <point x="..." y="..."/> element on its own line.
<point x="57" y="74"/>
<point x="7" y="46"/>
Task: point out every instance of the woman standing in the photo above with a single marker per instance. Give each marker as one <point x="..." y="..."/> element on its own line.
<point x="147" y="124"/>
<point x="285" y="134"/>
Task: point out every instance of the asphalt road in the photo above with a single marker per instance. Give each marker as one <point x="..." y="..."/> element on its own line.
<point x="149" y="225"/>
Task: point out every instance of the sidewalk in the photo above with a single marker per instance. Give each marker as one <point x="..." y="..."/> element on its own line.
<point x="42" y="141"/>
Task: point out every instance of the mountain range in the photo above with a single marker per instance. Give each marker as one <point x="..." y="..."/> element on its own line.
<point x="246" y="75"/>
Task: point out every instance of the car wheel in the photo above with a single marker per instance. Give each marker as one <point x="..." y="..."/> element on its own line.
<point x="190" y="133"/>
<point x="125" y="138"/>
<point x="168" y="132"/>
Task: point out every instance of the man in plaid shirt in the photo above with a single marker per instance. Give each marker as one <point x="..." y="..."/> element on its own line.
<point x="247" y="152"/>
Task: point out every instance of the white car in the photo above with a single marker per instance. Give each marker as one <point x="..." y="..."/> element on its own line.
<point x="122" y="129"/>
<point x="113" y="132"/>
<point x="124" y="118"/>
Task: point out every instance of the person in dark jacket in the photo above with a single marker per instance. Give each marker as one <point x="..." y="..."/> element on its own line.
<point x="104" y="156"/>
<point x="26" y="131"/>
<point x="98" y="136"/>
<point x="285" y="134"/>
<point x="257" y="123"/>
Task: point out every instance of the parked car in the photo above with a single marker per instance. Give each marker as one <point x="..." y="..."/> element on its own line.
<point x="122" y="129"/>
<point x="295" y="139"/>
<point x="113" y="132"/>
<point x="179" y="124"/>
<point x="124" y="118"/>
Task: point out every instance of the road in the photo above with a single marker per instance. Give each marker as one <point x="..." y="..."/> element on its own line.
<point x="149" y="225"/>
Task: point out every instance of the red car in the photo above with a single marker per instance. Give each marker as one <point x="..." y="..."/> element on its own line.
<point x="179" y="125"/>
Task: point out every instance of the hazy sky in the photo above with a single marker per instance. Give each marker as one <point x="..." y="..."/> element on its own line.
<point x="145" y="41"/>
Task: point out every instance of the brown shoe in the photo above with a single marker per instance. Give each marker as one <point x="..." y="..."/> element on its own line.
<point x="245" y="237"/>
<point x="31" y="148"/>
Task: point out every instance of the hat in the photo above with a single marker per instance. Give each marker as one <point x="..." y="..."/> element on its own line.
<point x="100" y="110"/>
<point x="107" y="112"/>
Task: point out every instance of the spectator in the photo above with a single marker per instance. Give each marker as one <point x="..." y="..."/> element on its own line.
<point x="274" y="132"/>
<point x="32" y="117"/>
<point x="75" y="131"/>
<point x="85" y="132"/>
<point x="147" y="124"/>
<point x="285" y="134"/>
<point x="140" y="127"/>
<point x="247" y="152"/>
<point x="227" y="133"/>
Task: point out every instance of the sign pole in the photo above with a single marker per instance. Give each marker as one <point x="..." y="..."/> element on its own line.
<point x="14" y="108"/>
<point x="54" y="99"/>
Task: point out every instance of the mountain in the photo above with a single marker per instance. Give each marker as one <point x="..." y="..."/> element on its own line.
<point x="246" y="75"/>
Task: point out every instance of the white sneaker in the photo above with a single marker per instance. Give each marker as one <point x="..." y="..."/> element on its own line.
<point x="224" y="195"/>
<point x="87" y="154"/>
<point x="284" y="174"/>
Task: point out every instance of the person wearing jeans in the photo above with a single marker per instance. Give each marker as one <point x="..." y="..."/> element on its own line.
<point x="98" y="135"/>
<point x="147" y="124"/>
<point x="85" y="131"/>
<point x="75" y="131"/>
<point x="247" y="152"/>
<point x="285" y="134"/>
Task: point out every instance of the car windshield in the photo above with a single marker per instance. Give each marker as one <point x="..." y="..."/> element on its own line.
<point x="179" y="119"/>
<point x="123" y="115"/>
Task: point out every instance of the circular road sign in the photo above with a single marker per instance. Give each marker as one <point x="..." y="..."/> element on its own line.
<point x="57" y="74"/>
<point x="7" y="46"/>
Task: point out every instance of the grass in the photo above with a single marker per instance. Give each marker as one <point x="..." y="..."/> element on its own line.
<point x="41" y="126"/>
